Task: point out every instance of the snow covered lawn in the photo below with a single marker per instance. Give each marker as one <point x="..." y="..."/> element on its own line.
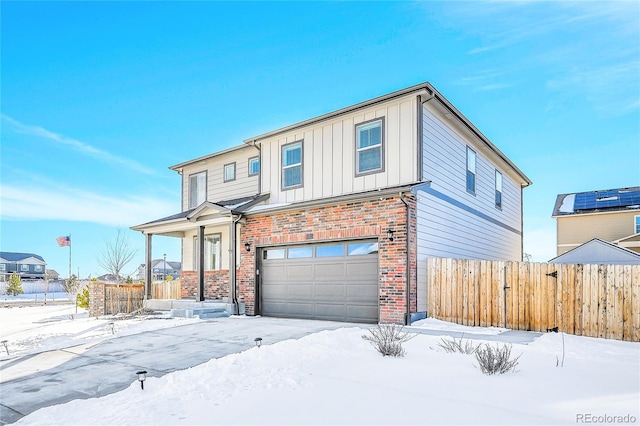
<point x="336" y="377"/>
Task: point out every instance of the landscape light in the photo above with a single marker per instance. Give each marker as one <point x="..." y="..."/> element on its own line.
<point x="142" y="376"/>
<point x="4" y="343"/>
<point x="258" y="341"/>
<point x="113" y="327"/>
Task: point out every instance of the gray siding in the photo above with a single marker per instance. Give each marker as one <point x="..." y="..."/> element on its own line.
<point x="452" y="222"/>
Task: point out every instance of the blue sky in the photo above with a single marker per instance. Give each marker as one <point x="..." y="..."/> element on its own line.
<point x="98" y="99"/>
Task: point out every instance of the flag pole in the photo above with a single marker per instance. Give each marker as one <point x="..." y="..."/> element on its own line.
<point x="69" y="256"/>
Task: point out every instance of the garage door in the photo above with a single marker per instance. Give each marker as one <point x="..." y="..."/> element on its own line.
<point x="335" y="281"/>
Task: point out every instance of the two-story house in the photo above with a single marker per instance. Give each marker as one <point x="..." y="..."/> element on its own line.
<point x="29" y="266"/>
<point x="160" y="270"/>
<point x="598" y="226"/>
<point x="334" y="217"/>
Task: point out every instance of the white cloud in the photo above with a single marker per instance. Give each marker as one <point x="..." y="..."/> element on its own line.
<point x="76" y="145"/>
<point x="55" y="203"/>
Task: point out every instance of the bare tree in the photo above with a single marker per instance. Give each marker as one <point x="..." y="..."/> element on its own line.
<point x="116" y="254"/>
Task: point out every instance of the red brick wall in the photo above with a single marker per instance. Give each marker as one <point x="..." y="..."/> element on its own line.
<point x="216" y="284"/>
<point x="353" y="220"/>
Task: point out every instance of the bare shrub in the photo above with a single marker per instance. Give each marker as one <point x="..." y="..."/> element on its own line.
<point x="496" y="360"/>
<point x="460" y="345"/>
<point x="388" y="339"/>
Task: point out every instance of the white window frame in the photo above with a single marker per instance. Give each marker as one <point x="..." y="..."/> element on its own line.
<point x="499" y="185"/>
<point x="472" y="159"/>
<point x="24" y="267"/>
<point x="3" y="266"/>
<point x="229" y="172"/>
<point x="370" y="124"/>
<point x="37" y="268"/>
<point x="286" y="167"/>
<point x="212" y="252"/>
<point x="636" y="224"/>
<point x="198" y="195"/>
<point x="252" y="161"/>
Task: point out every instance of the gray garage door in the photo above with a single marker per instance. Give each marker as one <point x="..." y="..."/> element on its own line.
<point x="335" y="281"/>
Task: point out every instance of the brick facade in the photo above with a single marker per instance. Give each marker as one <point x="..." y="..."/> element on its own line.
<point x="216" y="284"/>
<point x="349" y="220"/>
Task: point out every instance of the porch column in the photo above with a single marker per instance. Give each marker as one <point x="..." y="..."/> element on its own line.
<point x="232" y="266"/>
<point x="200" y="296"/>
<point x="147" y="270"/>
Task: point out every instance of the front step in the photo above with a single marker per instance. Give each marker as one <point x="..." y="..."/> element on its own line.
<point x="202" y="313"/>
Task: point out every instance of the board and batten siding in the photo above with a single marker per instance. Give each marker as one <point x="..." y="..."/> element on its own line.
<point x="452" y="222"/>
<point x="217" y="189"/>
<point x="328" y="161"/>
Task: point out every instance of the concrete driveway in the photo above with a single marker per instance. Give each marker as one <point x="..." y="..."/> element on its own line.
<point x="35" y="381"/>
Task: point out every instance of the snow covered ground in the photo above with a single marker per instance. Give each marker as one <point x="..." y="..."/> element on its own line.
<point x="336" y="377"/>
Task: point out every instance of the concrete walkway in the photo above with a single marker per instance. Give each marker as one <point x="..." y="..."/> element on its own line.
<point x="34" y="381"/>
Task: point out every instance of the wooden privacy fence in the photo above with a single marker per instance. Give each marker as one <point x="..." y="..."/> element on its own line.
<point x="167" y="290"/>
<point x="123" y="298"/>
<point x="585" y="300"/>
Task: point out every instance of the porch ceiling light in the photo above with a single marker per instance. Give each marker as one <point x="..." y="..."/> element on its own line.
<point x="390" y="233"/>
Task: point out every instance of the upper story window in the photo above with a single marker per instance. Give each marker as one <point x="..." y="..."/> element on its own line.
<point x="498" y="189"/>
<point x="197" y="189"/>
<point x="3" y="266"/>
<point x="471" y="170"/>
<point x="254" y="166"/>
<point x="637" y="227"/>
<point x="212" y="252"/>
<point x="369" y="146"/>
<point x="24" y="268"/>
<point x="38" y="268"/>
<point x="229" y="172"/>
<point x="292" y="165"/>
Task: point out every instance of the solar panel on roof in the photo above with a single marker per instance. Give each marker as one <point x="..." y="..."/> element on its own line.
<point x="606" y="199"/>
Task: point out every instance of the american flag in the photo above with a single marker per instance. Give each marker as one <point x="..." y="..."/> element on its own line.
<point x="64" y="241"/>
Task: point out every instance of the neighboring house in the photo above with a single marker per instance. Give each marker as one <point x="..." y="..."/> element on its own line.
<point x="160" y="269"/>
<point x="28" y="265"/>
<point x="334" y="217"/>
<point x="611" y="215"/>
<point x="53" y="274"/>
<point x="600" y="252"/>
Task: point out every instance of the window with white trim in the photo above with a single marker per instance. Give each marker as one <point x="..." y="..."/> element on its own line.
<point x="24" y="268"/>
<point x="254" y="166"/>
<point x="498" y="189"/>
<point x="471" y="170"/>
<point x="212" y="252"/>
<point x="3" y="266"/>
<point x="38" y="268"/>
<point x="637" y="223"/>
<point x="292" y="165"/>
<point x="229" y="172"/>
<point x="369" y="147"/>
<point x="197" y="189"/>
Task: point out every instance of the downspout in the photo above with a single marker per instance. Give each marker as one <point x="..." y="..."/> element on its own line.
<point x="420" y="132"/>
<point x="233" y="285"/>
<point x="407" y="316"/>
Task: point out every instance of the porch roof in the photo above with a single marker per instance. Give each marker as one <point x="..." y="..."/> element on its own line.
<point x="207" y="213"/>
